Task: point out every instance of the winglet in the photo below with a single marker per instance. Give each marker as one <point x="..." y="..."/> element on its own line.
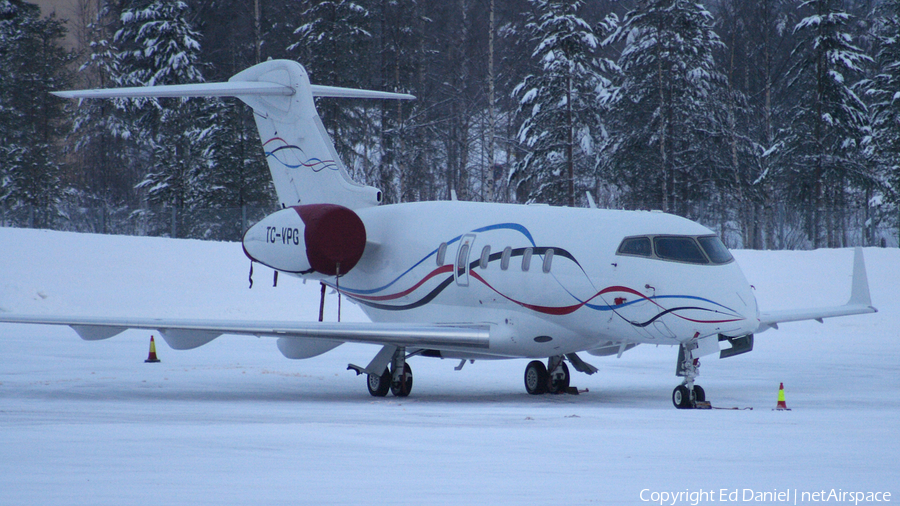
<point x="860" y="302"/>
<point x="859" y="292"/>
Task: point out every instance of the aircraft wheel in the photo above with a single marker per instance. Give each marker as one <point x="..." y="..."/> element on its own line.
<point x="536" y="378"/>
<point x="559" y="379"/>
<point x="681" y="397"/>
<point x="379" y="385"/>
<point x="699" y="394"/>
<point x="404" y="386"/>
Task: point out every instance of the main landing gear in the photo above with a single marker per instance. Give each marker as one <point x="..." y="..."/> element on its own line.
<point x="687" y="395"/>
<point x="398" y="379"/>
<point x="379" y="385"/>
<point x="541" y="379"/>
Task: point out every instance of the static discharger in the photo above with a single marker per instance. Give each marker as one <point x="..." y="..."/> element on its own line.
<point x="151" y="358"/>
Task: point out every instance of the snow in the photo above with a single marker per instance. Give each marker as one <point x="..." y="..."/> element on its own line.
<point x="234" y="422"/>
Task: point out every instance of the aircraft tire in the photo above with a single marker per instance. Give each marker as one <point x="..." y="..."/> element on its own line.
<point x="559" y="385"/>
<point x="699" y="394"/>
<point x="681" y="397"/>
<point x="379" y="385"/>
<point x="404" y="387"/>
<point x="536" y="378"/>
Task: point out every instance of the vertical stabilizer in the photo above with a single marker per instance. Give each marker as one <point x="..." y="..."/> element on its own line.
<point x="304" y="164"/>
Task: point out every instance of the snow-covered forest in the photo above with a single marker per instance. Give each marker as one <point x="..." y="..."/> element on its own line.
<point x="774" y="122"/>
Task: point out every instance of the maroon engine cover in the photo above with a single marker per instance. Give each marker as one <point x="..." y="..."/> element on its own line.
<point x="335" y="237"/>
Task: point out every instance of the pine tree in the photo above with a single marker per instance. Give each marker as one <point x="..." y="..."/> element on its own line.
<point x="754" y="106"/>
<point x="828" y="117"/>
<point x="32" y="122"/>
<point x="333" y="43"/>
<point x="406" y="138"/>
<point x="238" y="34"/>
<point x="232" y="148"/>
<point x="884" y="95"/>
<point x="101" y="140"/>
<point x="558" y="104"/>
<point x="665" y="118"/>
<point x="159" y="46"/>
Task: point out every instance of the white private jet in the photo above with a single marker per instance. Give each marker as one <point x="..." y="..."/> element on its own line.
<point x="467" y="280"/>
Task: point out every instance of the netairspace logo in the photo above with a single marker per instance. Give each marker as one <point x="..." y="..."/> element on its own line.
<point x="748" y="495"/>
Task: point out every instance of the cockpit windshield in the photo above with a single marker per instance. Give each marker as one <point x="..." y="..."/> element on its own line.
<point x="678" y="248"/>
<point x="700" y="250"/>
<point x="715" y="250"/>
<point x="636" y="246"/>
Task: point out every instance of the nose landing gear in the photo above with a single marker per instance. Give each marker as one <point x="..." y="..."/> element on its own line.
<point x="688" y="395"/>
<point x="683" y="398"/>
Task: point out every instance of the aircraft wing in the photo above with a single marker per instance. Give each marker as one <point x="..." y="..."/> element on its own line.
<point x="860" y="302"/>
<point x="183" y="334"/>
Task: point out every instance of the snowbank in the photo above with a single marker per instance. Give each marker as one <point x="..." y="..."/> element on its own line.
<point x="234" y="422"/>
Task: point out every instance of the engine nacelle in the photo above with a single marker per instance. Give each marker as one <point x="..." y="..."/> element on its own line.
<point x="316" y="238"/>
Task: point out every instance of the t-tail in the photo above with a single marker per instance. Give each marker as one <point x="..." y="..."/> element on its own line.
<point x="304" y="165"/>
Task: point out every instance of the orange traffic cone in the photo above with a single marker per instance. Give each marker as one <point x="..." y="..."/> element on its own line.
<point x="152" y="356"/>
<point x="781" y="406"/>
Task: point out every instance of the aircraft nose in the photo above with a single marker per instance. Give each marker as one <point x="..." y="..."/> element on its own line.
<point x="744" y="304"/>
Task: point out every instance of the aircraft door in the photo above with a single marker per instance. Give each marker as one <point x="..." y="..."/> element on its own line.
<point x="461" y="268"/>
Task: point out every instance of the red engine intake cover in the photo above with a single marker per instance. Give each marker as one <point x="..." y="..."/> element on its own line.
<point x="335" y="237"/>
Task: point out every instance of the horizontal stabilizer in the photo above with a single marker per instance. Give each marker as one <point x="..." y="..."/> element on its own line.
<point x="228" y="89"/>
<point x="336" y="92"/>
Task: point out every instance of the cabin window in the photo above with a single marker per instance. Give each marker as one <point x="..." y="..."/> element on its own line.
<point x="639" y="246"/>
<point x="504" y="258"/>
<point x="548" y="260"/>
<point x="679" y="249"/>
<point x="715" y="250"/>
<point x="461" y="259"/>
<point x="526" y="259"/>
<point x="485" y="257"/>
<point x="441" y="254"/>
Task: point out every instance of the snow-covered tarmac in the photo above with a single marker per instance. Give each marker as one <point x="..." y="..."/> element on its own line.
<point x="234" y="422"/>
